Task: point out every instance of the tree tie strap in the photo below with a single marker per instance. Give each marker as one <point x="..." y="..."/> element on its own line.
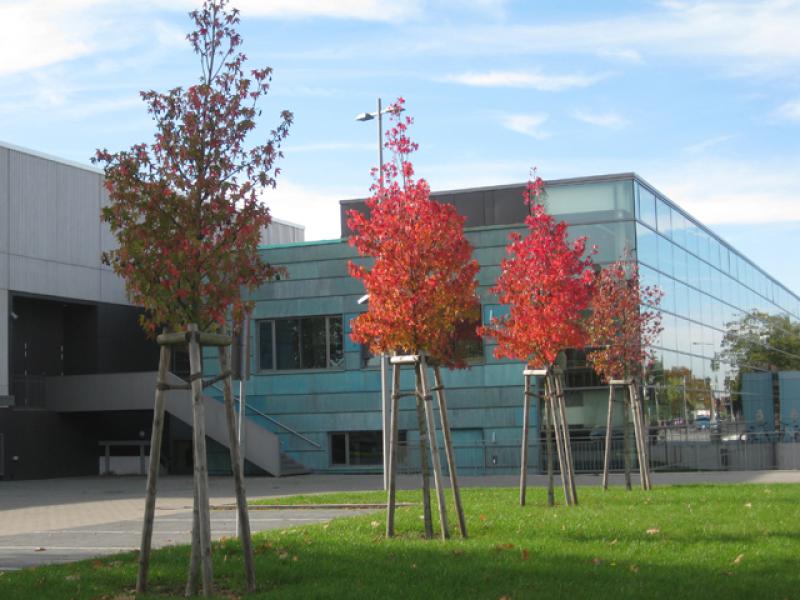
<point x="195" y="376"/>
<point x="220" y="377"/>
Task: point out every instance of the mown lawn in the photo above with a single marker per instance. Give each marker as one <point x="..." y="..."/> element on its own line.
<point x="709" y="542"/>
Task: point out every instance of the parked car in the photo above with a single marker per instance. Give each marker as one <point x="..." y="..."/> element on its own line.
<point x="702" y="423"/>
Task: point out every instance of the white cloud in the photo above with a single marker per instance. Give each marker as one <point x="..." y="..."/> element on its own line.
<point x="609" y="120"/>
<point x="726" y="192"/>
<point x="526" y="124"/>
<point x="789" y="111"/>
<point x="704" y="145"/>
<point x="316" y="209"/>
<point x="525" y="79"/>
<point x="362" y="10"/>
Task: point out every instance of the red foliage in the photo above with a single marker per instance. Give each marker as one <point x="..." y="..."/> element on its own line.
<point x="622" y="329"/>
<point x="546" y="283"/>
<point x="185" y="209"/>
<point x="421" y="285"/>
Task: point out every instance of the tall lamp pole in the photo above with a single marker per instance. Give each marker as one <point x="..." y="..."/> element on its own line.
<point x="378" y="116"/>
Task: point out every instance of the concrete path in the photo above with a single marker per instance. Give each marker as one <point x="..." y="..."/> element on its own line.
<point x="60" y="520"/>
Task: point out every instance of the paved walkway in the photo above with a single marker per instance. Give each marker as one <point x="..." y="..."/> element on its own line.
<point x="60" y="520"/>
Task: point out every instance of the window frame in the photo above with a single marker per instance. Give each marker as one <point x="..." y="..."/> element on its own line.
<point x="273" y="370"/>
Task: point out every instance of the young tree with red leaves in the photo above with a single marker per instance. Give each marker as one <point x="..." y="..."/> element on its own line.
<point x="186" y="213"/>
<point x="422" y="289"/>
<point x="546" y="284"/>
<point x="623" y="327"/>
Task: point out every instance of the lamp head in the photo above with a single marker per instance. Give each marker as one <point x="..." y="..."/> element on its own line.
<point x="364" y="116"/>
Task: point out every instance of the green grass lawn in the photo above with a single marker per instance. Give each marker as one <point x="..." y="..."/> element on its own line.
<point x="709" y="542"/>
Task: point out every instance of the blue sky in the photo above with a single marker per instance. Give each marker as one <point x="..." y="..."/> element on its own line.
<point x="700" y="98"/>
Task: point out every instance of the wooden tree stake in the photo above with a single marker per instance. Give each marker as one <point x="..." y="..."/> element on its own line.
<point x="152" y="472"/>
<point x="609" y="439"/>
<point x="427" y="402"/>
<point x="236" y="465"/>
<point x="570" y="465"/>
<point x="523" y="466"/>
<point x="423" y="459"/>
<point x="448" y="447"/>
<point x="392" y="475"/>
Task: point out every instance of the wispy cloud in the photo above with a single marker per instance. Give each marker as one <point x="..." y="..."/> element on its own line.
<point x="526" y="124"/>
<point x="525" y="79"/>
<point x="702" y="146"/>
<point x="789" y="111"/>
<point x="610" y="120"/>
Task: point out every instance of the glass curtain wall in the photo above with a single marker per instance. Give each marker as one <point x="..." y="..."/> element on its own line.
<point x="708" y="288"/>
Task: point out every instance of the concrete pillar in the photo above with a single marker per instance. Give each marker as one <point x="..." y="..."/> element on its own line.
<point x="4" y="317"/>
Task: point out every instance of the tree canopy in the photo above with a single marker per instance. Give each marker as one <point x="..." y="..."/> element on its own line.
<point x="185" y="208"/>
<point x="546" y="283"/>
<point x="623" y="323"/>
<point x="421" y="284"/>
<point x="759" y="341"/>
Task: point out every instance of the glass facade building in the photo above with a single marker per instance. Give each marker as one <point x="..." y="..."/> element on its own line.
<point x="322" y="391"/>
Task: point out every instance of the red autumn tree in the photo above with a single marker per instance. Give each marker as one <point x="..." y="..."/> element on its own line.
<point x="624" y="323"/>
<point x="421" y="285"/>
<point x="546" y="283"/>
<point x="185" y="208"/>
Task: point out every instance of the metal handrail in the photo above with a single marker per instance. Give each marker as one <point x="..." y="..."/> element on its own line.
<point x="272" y="420"/>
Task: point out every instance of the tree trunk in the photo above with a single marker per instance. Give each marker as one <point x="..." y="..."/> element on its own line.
<point x="392" y="478"/>
<point x="523" y="467"/>
<point x="152" y="472"/>
<point x="548" y="417"/>
<point x="556" y="413"/>
<point x="200" y="466"/>
<point x="448" y="446"/>
<point x="236" y="465"/>
<point x="194" y="557"/>
<point x="609" y="437"/>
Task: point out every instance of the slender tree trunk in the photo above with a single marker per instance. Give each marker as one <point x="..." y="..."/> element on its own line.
<point x="236" y="465"/>
<point x="392" y="478"/>
<point x="423" y="459"/>
<point x="609" y="437"/>
<point x="152" y="471"/>
<point x="200" y="466"/>
<point x="523" y="466"/>
<point x="430" y="423"/>
<point x="448" y="446"/>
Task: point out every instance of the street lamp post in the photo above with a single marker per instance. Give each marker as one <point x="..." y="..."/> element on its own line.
<point x="369" y="116"/>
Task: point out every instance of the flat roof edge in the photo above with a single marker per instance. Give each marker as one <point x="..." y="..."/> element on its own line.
<point x="50" y="157"/>
<point x="507" y="186"/>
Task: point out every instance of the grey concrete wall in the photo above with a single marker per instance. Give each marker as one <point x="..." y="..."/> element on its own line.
<point x="51" y="237"/>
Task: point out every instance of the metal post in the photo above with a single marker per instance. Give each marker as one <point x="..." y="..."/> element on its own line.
<point x="385" y="416"/>
<point x="380" y="146"/>
<point x="244" y="367"/>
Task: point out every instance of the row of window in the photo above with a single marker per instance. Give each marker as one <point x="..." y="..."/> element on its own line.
<point x="318" y="343"/>
<point x="687" y="234"/>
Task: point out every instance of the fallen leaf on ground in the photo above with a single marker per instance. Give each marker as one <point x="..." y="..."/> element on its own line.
<point x="525" y="554"/>
<point x="39" y="549"/>
<point x="738" y="559"/>
<point x="597" y="561"/>
<point x="653" y="531"/>
<point x="612" y="542"/>
<point x="503" y="546"/>
<point x="376" y="524"/>
<point x="75" y="577"/>
<point x="634" y="568"/>
<point x="748" y="505"/>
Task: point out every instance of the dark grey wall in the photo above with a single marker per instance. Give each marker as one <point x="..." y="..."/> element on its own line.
<point x="500" y="205"/>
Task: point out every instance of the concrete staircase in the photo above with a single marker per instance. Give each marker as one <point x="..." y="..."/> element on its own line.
<point x="135" y="391"/>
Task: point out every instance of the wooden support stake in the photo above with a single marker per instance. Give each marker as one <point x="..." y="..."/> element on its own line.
<point x="236" y="465"/>
<point x="448" y="447"/>
<point x="200" y="466"/>
<point x="523" y="459"/>
<point x="570" y="464"/>
<point x="556" y="414"/>
<point x="392" y="478"/>
<point x="194" y="557"/>
<point x="641" y="437"/>
<point x="152" y="472"/>
<point x="548" y="410"/>
<point x="626" y="442"/>
<point x="609" y="438"/>
<point x="423" y="459"/>
<point x="436" y="459"/>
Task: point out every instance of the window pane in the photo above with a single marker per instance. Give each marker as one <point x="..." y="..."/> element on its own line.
<point x="313" y="338"/>
<point x="664" y="217"/>
<point x="647" y="207"/>
<point x="337" y="343"/>
<point x="265" y="357"/>
<point x="665" y="256"/>
<point x="646" y="246"/>
<point x="365" y="448"/>
<point x="338" y="449"/>
<point x="287" y="342"/>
